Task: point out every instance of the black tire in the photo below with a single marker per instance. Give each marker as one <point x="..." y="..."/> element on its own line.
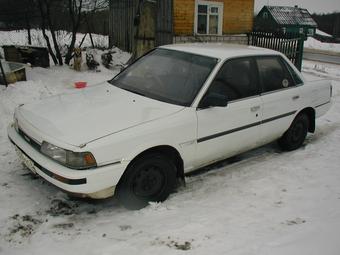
<point x="150" y="178"/>
<point x="294" y="137"/>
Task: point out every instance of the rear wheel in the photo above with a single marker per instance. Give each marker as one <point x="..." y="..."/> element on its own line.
<point x="296" y="134"/>
<point x="150" y="178"/>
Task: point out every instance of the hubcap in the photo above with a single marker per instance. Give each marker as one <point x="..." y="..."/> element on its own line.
<point x="148" y="181"/>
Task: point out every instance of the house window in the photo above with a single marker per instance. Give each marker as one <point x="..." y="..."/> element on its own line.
<point x="208" y="18"/>
<point x="301" y="30"/>
<point x="310" y="32"/>
<point x="265" y="15"/>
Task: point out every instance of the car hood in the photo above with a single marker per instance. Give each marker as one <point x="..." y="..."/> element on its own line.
<point x="92" y="113"/>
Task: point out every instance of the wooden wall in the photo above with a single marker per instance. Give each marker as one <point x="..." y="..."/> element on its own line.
<point x="121" y="24"/>
<point x="237" y="17"/>
<point x="153" y="29"/>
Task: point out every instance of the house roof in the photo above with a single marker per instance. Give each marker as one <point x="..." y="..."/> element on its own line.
<point x="287" y="15"/>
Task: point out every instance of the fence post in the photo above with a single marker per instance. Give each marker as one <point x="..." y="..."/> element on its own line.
<point x="3" y="74"/>
<point x="300" y="53"/>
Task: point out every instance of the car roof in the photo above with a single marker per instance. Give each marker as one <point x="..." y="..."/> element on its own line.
<point x="220" y="50"/>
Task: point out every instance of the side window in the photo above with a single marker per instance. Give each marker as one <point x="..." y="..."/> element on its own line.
<point x="236" y="79"/>
<point x="296" y="77"/>
<point x="274" y="75"/>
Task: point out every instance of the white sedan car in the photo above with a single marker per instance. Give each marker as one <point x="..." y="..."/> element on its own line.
<point x="176" y="109"/>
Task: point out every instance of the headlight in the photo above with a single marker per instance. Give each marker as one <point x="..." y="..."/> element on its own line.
<point x="75" y="160"/>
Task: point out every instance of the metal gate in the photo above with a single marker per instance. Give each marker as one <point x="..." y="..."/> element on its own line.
<point x="289" y="44"/>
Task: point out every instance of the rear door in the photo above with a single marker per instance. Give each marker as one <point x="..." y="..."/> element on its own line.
<point x="226" y="131"/>
<point x="280" y="96"/>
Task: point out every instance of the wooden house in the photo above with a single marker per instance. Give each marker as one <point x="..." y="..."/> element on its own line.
<point x="156" y="22"/>
<point x="285" y="19"/>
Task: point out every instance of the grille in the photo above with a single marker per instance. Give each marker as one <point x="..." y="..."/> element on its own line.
<point x="30" y="140"/>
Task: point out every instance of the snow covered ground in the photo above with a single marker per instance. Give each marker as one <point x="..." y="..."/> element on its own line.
<point x="265" y="202"/>
<point x="262" y="202"/>
<point x="314" y="44"/>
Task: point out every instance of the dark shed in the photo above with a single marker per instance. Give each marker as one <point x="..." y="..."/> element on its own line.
<point x="285" y="19"/>
<point x="139" y="25"/>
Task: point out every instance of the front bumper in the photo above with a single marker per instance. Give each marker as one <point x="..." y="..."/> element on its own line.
<point x="95" y="183"/>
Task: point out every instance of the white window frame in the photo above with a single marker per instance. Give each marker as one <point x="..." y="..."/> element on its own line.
<point x="209" y="5"/>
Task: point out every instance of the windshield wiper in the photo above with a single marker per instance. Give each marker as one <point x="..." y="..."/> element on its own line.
<point x="133" y="91"/>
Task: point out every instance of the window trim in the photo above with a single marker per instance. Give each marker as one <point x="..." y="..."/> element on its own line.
<point x="291" y="71"/>
<point x="220" y="16"/>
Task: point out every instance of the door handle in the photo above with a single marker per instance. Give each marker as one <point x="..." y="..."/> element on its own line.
<point x="296" y="97"/>
<point x="255" y="108"/>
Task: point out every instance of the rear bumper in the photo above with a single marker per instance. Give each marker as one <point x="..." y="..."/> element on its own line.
<point x="95" y="183"/>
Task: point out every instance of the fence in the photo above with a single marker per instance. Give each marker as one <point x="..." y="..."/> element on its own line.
<point x="289" y="44"/>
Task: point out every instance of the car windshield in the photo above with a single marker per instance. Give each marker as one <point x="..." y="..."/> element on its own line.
<point x="167" y="75"/>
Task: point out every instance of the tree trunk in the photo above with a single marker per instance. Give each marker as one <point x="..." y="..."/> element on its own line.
<point x="69" y="54"/>
<point x="54" y="39"/>
<point x="43" y="29"/>
<point x="75" y="13"/>
<point x="28" y="27"/>
<point x="89" y="31"/>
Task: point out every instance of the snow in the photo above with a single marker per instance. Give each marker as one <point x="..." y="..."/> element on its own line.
<point x="20" y="37"/>
<point x="314" y="44"/>
<point x="263" y="202"/>
<point x="319" y="32"/>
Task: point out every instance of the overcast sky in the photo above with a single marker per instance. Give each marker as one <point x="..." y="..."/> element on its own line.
<point x="313" y="6"/>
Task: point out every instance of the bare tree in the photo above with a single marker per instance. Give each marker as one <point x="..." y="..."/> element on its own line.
<point x="15" y="12"/>
<point x="43" y="29"/>
<point x="91" y="7"/>
<point x="75" y="11"/>
<point x="44" y="7"/>
<point x="47" y="4"/>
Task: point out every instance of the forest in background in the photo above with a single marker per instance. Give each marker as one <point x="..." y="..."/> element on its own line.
<point x="74" y="16"/>
<point x="23" y="14"/>
<point x="329" y="23"/>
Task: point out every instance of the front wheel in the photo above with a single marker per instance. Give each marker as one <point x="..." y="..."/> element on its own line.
<point x="296" y="134"/>
<point x="150" y="178"/>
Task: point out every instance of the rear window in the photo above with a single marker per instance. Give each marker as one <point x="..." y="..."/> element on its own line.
<point x="274" y="74"/>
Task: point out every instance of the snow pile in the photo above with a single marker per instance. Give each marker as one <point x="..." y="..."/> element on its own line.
<point x="20" y="37"/>
<point x="314" y="44"/>
<point x="266" y="202"/>
<point x="319" y="32"/>
<point x="323" y="70"/>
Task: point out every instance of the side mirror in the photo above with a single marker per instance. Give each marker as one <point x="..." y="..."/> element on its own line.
<point x="212" y="99"/>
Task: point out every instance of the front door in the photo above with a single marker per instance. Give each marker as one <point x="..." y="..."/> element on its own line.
<point x="226" y="131"/>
